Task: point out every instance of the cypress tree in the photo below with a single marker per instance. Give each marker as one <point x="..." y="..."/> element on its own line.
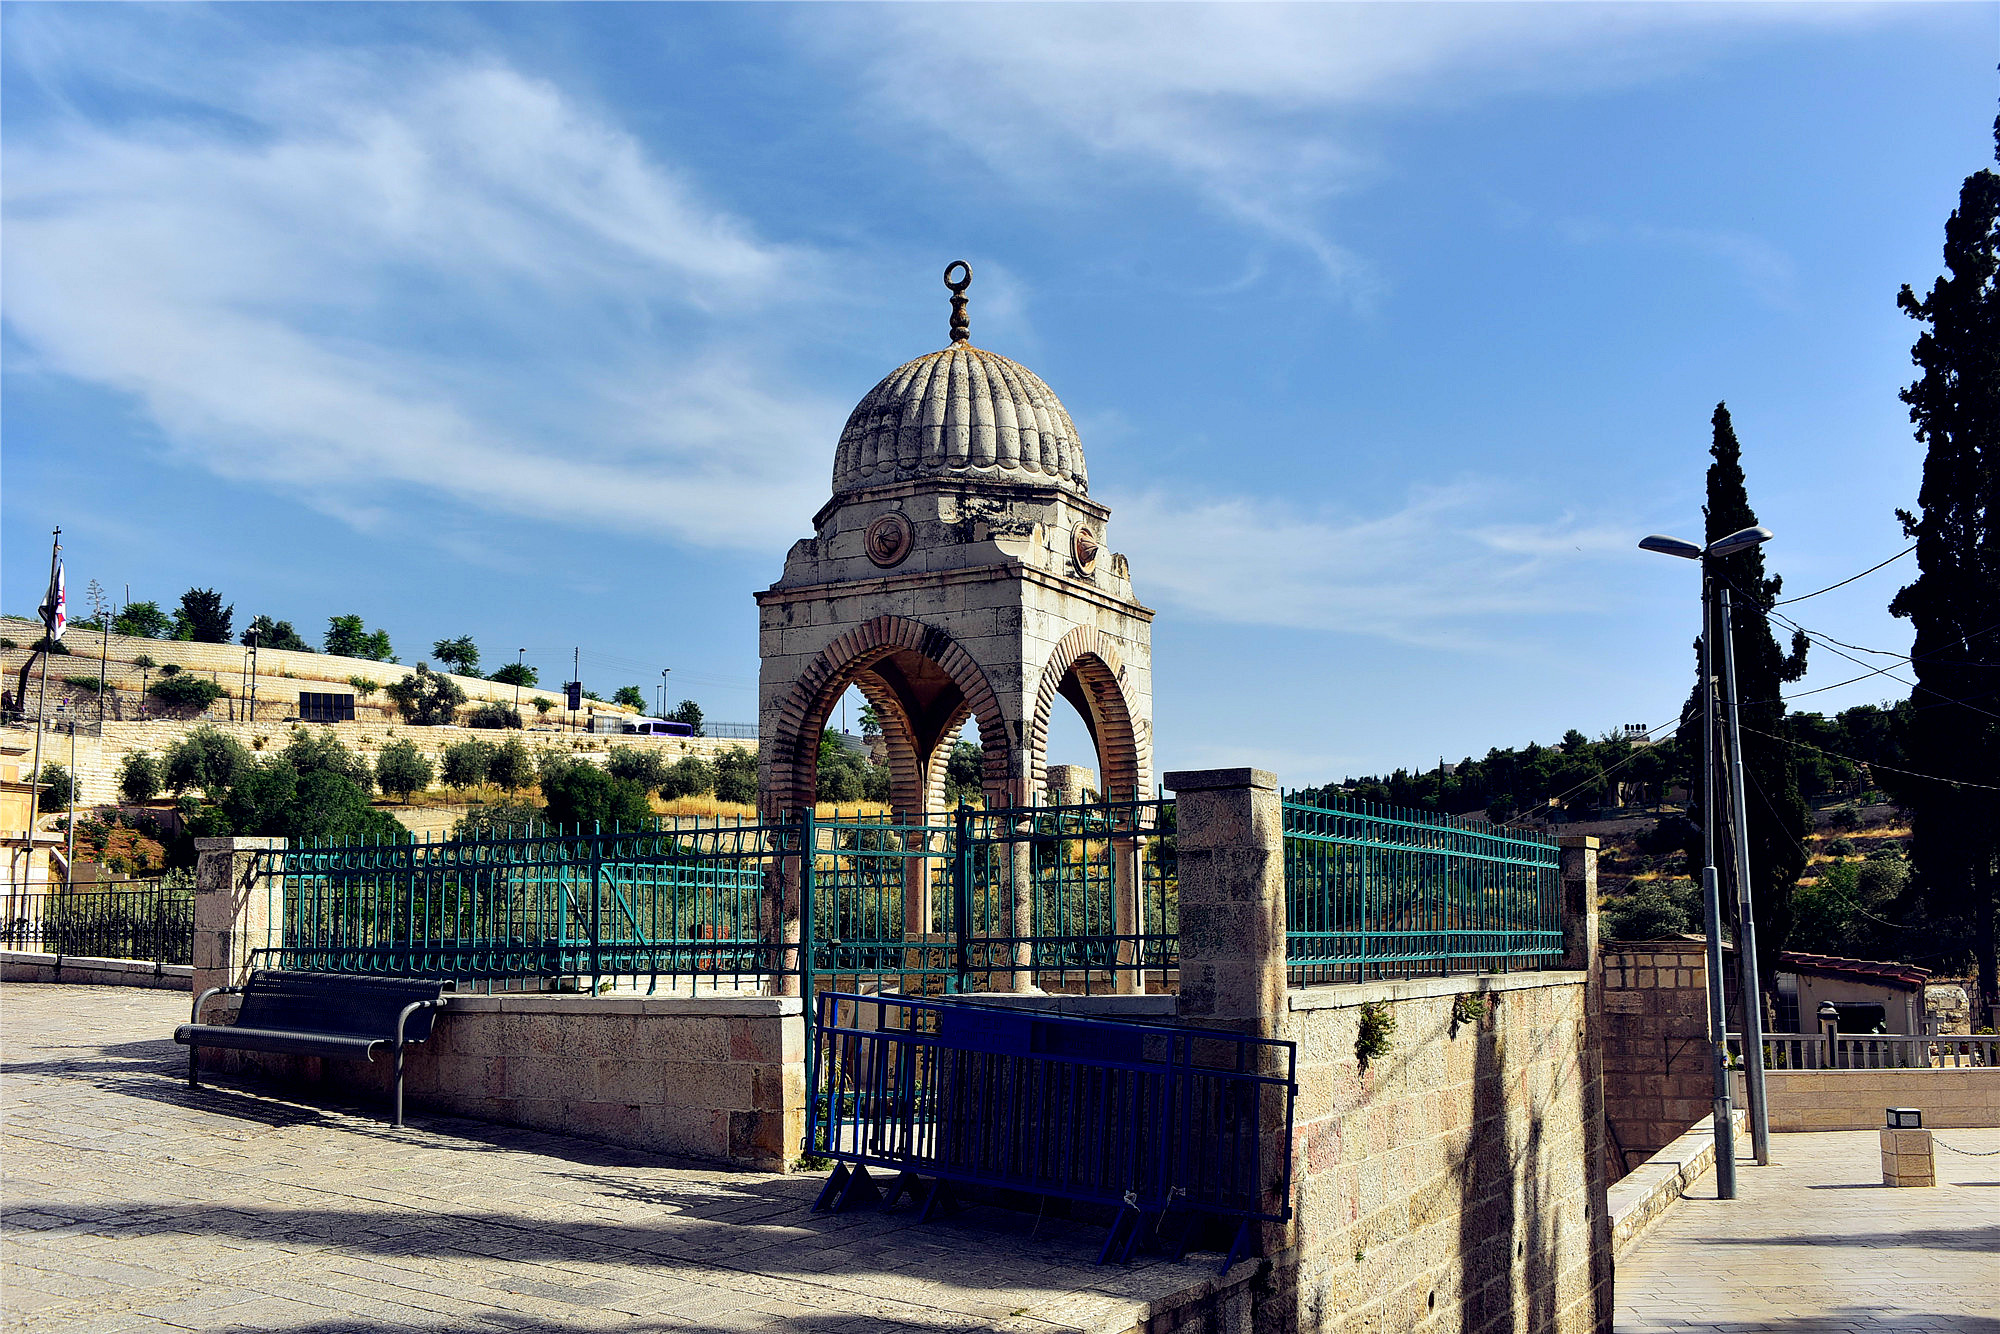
<point x="1776" y="819"/>
<point x="1954" y="604"/>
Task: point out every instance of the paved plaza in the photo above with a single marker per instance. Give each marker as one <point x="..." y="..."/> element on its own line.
<point x="134" y="1203"/>
<point x="1816" y="1244"/>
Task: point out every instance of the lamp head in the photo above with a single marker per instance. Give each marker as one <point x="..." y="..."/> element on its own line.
<point x="1741" y="540"/>
<point x="1670" y="546"/>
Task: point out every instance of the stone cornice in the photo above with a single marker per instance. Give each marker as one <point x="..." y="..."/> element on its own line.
<point x="779" y="595"/>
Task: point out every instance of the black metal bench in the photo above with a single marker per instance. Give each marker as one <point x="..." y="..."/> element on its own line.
<point x="321" y="1014"/>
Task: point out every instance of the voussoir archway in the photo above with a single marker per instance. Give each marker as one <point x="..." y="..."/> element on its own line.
<point x="922" y="683"/>
<point x="1087" y="669"/>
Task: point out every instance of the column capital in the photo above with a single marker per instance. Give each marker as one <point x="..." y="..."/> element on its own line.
<point x="1211" y="780"/>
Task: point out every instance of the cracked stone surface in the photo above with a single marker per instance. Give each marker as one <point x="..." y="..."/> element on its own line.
<point x="134" y="1203"/>
<point x="1816" y="1244"/>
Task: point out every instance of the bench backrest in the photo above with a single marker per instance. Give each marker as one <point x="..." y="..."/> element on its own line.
<point x="337" y="1003"/>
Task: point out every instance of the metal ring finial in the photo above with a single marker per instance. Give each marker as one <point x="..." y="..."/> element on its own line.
<point x="961" y="325"/>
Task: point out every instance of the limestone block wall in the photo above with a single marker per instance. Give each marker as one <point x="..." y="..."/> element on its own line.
<point x="1657" y="1080"/>
<point x="1446" y="1185"/>
<point x="715" y="1078"/>
<point x="281" y="673"/>
<point x="99" y="758"/>
<point x="1859" y="1099"/>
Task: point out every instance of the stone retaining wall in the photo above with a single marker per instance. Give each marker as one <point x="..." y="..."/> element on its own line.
<point x="721" y="1079"/>
<point x="98" y="759"/>
<point x="1860" y="1099"/>
<point x="1645" y="1194"/>
<point x="1446" y="1184"/>
<point x="75" y="969"/>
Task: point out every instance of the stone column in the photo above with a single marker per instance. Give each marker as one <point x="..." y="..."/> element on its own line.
<point x="1580" y="954"/>
<point x="1128" y="907"/>
<point x="235" y="908"/>
<point x="1230" y="834"/>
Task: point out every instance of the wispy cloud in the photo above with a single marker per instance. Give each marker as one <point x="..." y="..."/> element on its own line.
<point x="362" y="279"/>
<point x="1258" y="110"/>
<point x="1438" y="571"/>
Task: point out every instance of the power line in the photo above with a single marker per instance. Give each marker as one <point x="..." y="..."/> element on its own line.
<point x="1873" y="764"/>
<point x="1850" y="579"/>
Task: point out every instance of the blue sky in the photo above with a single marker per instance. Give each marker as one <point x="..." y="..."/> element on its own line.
<point x="1388" y="329"/>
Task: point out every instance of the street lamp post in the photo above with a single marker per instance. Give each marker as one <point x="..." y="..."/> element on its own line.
<point x="520" y="661"/>
<point x="1711" y="890"/>
<point x="666" y="694"/>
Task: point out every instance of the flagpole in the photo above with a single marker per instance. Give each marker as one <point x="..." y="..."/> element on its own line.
<point x="42" y="705"/>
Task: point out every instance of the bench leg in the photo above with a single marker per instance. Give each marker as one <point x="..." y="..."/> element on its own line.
<point x="399" y="1089"/>
<point x="193" y="1053"/>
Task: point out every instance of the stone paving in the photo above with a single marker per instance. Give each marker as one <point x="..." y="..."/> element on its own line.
<point x="1816" y="1244"/>
<point x="134" y="1203"/>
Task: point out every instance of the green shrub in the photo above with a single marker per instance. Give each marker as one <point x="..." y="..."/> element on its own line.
<point x="182" y="691"/>
<point x="206" y="759"/>
<point x="736" y="776"/>
<point x="1371" y="1039"/>
<point x="318" y="750"/>
<point x="581" y="795"/>
<point x="427" y="698"/>
<point x="140" y="777"/>
<point x="510" y="766"/>
<point x="58" y="788"/>
<point x="465" y="764"/>
<point x="86" y="683"/>
<point x="499" y="716"/>
<point x="1845" y="817"/>
<point x="638" y="764"/>
<point x="1839" y="847"/>
<point x="1653" y="910"/>
<point x="692" y="776"/>
<point x="401" y="769"/>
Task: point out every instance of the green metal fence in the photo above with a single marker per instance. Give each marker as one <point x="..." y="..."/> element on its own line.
<point x="974" y="901"/>
<point x="683" y="900"/>
<point x="1376" y="892"/>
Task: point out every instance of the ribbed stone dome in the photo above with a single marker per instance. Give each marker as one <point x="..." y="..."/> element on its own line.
<point x="960" y="412"/>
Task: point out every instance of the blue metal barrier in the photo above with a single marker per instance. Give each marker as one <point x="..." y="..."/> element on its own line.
<point x="1167" y="1125"/>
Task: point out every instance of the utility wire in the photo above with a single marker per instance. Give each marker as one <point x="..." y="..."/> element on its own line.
<point x="1873" y="764"/>
<point x="1850" y="579"/>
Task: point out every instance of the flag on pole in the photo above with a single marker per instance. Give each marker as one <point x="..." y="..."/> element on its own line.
<point x="55" y="607"/>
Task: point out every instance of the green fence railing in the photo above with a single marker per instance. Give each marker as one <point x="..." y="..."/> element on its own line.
<point x="1376" y="892"/>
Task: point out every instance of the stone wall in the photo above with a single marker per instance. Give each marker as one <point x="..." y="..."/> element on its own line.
<point x="1657" y="1080"/>
<point x="1447" y="1184"/>
<point x="98" y="759"/>
<point x="29" y="966"/>
<point x="1860" y="1099"/>
<point x="715" y="1078"/>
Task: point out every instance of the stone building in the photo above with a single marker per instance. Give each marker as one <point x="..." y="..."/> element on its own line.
<point x="959" y="571"/>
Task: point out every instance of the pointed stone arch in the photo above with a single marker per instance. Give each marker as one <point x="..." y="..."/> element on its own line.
<point x="1086" y="669"/>
<point x="891" y="659"/>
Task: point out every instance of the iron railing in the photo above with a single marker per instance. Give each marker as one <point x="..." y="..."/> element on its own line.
<point x="1155" y="1121"/>
<point x="1874" y="1051"/>
<point x="683" y="900"/>
<point x="145" y="920"/>
<point x="1377" y="892"/>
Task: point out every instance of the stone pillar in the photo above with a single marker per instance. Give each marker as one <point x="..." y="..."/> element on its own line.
<point x="1230" y="834"/>
<point x="234" y="908"/>
<point x="1580" y="954"/>
<point x="1128" y="907"/>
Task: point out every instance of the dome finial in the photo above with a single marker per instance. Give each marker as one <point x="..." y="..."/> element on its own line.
<point x="961" y="327"/>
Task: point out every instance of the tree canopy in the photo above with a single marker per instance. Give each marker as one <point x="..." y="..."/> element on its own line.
<point x="1954" y="604"/>
<point x="202" y="617"/>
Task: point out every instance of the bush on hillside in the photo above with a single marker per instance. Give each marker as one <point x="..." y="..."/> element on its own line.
<point x="401" y="769"/>
<point x="179" y="690"/>
<point x="510" y="766"/>
<point x="58" y="788"/>
<point x="427" y="698"/>
<point x="583" y="796"/>
<point x="690" y="777"/>
<point x="207" y="759"/>
<point x="465" y="764"/>
<point x="318" y="750"/>
<point x="140" y="777"/>
<point x="498" y="716"/>
<point x="736" y="776"/>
